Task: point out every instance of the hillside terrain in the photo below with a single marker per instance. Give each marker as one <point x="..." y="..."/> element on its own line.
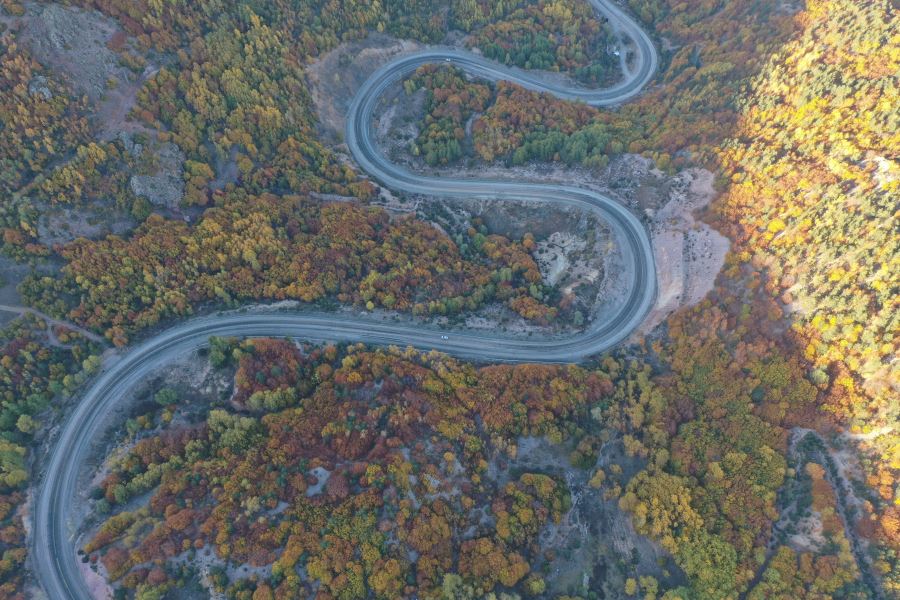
<point x="163" y="160"/>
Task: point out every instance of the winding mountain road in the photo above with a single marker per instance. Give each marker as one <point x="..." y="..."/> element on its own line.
<point x="53" y="554"/>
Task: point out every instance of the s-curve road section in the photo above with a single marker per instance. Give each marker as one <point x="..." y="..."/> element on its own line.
<point x="56" y="564"/>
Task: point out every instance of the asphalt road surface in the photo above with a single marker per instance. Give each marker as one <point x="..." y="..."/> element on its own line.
<point x="53" y="553"/>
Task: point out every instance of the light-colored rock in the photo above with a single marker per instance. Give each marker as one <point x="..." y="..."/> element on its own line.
<point x="73" y="41"/>
<point x="689" y="253"/>
<point x="166" y="186"/>
<point x="39" y="86"/>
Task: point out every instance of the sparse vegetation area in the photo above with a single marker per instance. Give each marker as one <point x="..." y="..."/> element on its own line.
<point x="359" y="460"/>
<point x="192" y="175"/>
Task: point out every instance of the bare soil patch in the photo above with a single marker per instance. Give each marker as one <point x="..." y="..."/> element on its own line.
<point x="156" y="175"/>
<point x="594" y="546"/>
<point x="576" y="257"/>
<point x="87" y="50"/>
<point x="337" y="75"/>
<point x="73" y="42"/>
<point x="689" y="253"/>
<point x="62" y="225"/>
<point x="77" y="44"/>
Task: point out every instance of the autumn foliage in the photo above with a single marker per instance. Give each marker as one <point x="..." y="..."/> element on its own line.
<point x="403" y="441"/>
<point x="278" y="248"/>
<point x="32" y="375"/>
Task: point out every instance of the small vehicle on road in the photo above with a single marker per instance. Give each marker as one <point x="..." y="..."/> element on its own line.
<point x="444" y="337"/>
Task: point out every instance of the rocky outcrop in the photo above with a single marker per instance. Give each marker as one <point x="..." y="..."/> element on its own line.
<point x="164" y="188"/>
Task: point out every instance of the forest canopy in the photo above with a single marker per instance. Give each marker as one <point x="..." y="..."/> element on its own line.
<point x="763" y="413"/>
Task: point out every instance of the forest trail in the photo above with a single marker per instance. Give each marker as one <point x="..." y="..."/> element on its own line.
<point x="51" y="322"/>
